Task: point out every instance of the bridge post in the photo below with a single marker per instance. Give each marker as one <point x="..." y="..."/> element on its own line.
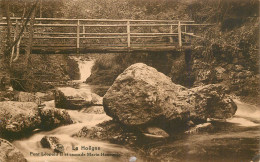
<point x="171" y="31"/>
<point x="78" y="40"/>
<point x="179" y="33"/>
<point x="128" y="35"/>
<point x="83" y="30"/>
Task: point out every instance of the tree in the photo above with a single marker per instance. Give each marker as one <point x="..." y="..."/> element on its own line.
<point x="30" y="17"/>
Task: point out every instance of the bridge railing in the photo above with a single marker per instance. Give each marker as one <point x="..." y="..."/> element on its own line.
<point x="107" y="33"/>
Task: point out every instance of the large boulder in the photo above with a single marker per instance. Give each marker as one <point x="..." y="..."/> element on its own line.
<point x="71" y="98"/>
<point x="141" y="95"/>
<point x="53" y="117"/>
<point x="18" y="117"/>
<point x="211" y="101"/>
<point x="9" y="153"/>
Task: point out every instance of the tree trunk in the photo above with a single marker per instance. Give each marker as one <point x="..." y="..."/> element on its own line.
<point x="30" y="40"/>
<point x="19" y="41"/>
<point x="9" y="27"/>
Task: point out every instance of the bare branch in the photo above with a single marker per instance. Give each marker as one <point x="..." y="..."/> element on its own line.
<point x="23" y="27"/>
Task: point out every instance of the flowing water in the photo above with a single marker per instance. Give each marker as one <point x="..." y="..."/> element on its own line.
<point x="234" y="140"/>
<point x="31" y="146"/>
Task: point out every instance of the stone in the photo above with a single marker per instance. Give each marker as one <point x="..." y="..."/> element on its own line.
<point x="155" y="132"/>
<point x="27" y="97"/>
<point x="52" y="143"/>
<point x="47" y="96"/>
<point x="71" y="98"/>
<point x="220" y="73"/>
<point x="211" y="101"/>
<point x="199" y="128"/>
<point x="18" y="117"/>
<point x="239" y="68"/>
<point x="143" y="96"/>
<point x="9" y="153"/>
<point x="7" y="95"/>
<point x="96" y="99"/>
<point x="94" y="132"/>
<point x="53" y="117"/>
<point x="94" y="110"/>
<point x="205" y="76"/>
<point x="109" y="131"/>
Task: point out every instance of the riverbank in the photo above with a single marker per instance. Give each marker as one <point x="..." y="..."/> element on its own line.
<point x="92" y="127"/>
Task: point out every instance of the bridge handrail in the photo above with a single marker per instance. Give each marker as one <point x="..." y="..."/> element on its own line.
<point x="81" y="24"/>
<point x="105" y="20"/>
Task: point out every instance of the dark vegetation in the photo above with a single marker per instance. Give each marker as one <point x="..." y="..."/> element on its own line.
<point x="230" y="44"/>
<point x="44" y="71"/>
<point x="21" y="69"/>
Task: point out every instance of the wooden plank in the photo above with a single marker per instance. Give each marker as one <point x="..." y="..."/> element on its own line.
<point x="106" y="50"/>
<point x="93" y="45"/>
<point x="51" y="37"/>
<point x="128" y="35"/>
<point x="83" y="31"/>
<point x="69" y="50"/>
<point x="198" y="24"/>
<point x="140" y="36"/>
<point x="154" y="34"/>
<point x="51" y="45"/>
<point x="142" y="25"/>
<point x="83" y="34"/>
<point x="55" y="25"/>
<point x="95" y="25"/>
<point x="105" y="25"/>
<point x="179" y="34"/>
<point x="108" y="20"/>
<point x="78" y="38"/>
<point x="103" y="33"/>
<point x="193" y="35"/>
<point x="171" y="31"/>
<point x="49" y="33"/>
<point x="109" y="25"/>
<point x="115" y="37"/>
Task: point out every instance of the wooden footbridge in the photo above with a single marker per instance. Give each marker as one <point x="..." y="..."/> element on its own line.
<point x="58" y="35"/>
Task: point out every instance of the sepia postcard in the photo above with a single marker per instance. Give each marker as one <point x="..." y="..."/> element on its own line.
<point x="129" y="81"/>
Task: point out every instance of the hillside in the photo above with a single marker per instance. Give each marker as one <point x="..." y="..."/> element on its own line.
<point x="228" y="54"/>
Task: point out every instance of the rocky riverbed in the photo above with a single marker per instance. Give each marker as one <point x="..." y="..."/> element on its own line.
<point x="145" y="116"/>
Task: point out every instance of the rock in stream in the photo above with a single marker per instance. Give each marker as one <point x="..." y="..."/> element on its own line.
<point x="71" y="98"/>
<point x="8" y="153"/>
<point x="142" y="96"/>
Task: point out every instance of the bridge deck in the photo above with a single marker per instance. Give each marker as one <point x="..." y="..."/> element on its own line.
<point x="55" y="35"/>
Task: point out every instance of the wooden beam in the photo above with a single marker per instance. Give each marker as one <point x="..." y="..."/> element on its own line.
<point x="100" y="20"/>
<point x="171" y="31"/>
<point x="78" y="38"/>
<point x="128" y="35"/>
<point x="83" y="30"/>
<point x="108" y="25"/>
<point x="179" y="34"/>
<point x="193" y="35"/>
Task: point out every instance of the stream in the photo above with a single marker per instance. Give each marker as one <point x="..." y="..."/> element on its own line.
<point x="237" y="139"/>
